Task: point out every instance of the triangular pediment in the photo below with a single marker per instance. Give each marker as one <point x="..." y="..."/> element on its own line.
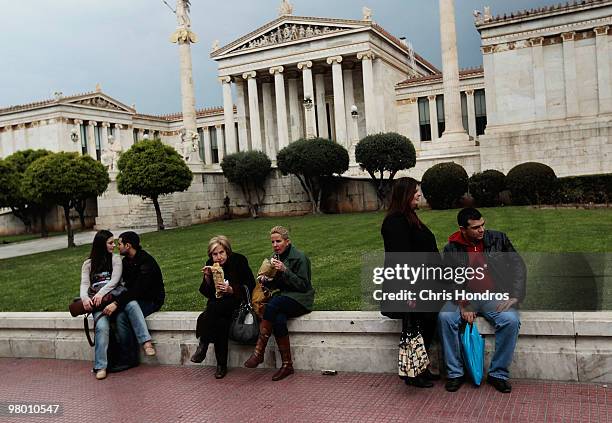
<point x="98" y="100"/>
<point x="289" y="29"/>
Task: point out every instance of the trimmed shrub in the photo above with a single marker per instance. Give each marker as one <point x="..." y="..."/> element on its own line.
<point x="531" y="183"/>
<point x="444" y="185"/>
<point x="249" y="170"/>
<point x="585" y="189"/>
<point x="385" y="152"/>
<point x="486" y="186"/>
<point x="313" y="161"/>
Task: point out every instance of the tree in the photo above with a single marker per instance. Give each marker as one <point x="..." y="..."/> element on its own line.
<point x="385" y="152"/>
<point x="313" y="161"/>
<point x="24" y="209"/>
<point x="95" y="183"/>
<point x="150" y="169"/>
<point x="249" y="170"/>
<point x="64" y="179"/>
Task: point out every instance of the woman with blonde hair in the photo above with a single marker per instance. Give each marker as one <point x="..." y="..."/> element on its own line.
<point x="294" y="297"/>
<point x="224" y="297"/>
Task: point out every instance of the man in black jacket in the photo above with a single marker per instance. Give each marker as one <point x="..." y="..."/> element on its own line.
<point x="145" y="292"/>
<point x="503" y="273"/>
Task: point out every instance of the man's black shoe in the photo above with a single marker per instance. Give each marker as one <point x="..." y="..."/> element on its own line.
<point x="200" y="353"/>
<point x="420" y="382"/>
<point x="221" y="372"/>
<point x="502" y="385"/>
<point x="453" y="384"/>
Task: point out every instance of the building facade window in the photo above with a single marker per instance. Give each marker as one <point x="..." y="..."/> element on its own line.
<point x="237" y="132"/>
<point x="424" y="124"/>
<point x="480" y="110"/>
<point x="135" y="135"/>
<point x="213" y="143"/>
<point x="201" y="150"/>
<point x="84" y="138"/>
<point x="98" y="140"/>
<point x="111" y="131"/>
<point x="464" y="114"/>
<point x="440" y="113"/>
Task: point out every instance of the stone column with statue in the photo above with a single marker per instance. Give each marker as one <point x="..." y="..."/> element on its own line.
<point x="184" y="36"/>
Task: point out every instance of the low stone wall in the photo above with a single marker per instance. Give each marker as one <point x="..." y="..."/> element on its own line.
<point x="555" y="346"/>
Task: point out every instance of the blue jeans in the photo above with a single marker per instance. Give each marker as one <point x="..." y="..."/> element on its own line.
<point x="278" y="309"/>
<point x="133" y="317"/>
<point x="101" y="340"/>
<point x="506" y="324"/>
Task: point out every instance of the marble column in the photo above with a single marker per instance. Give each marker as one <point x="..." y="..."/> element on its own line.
<point x="454" y="130"/>
<point x="220" y="142"/>
<point x="207" y="145"/>
<point x="295" y="110"/>
<point x="569" y="70"/>
<point x="309" y="111"/>
<point x="119" y="136"/>
<point x="433" y="117"/>
<point x="368" y="91"/>
<point x="539" y="77"/>
<point x="471" y="113"/>
<point x="140" y="135"/>
<point x="604" y="88"/>
<point x="281" y="106"/>
<point x="322" y="128"/>
<point x="241" y="111"/>
<point x="349" y="96"/>
<point x="228" y="115"/>
<point x="339" y="107"/>
<point x="253" y="110"/>
<point x="270" y="132"/>
<point x="91" y="139"/>
<point x="104" y="136"/>
<point x="184" y="37"/>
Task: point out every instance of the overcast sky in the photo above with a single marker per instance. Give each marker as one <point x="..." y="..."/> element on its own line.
<point x="70" y="45"/>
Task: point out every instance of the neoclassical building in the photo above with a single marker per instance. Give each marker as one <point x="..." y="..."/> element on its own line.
<point x="543" y="93"/>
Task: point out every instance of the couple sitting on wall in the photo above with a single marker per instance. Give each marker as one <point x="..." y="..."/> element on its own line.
<point x="139" y="273"/>
<point x="405" y="236"/>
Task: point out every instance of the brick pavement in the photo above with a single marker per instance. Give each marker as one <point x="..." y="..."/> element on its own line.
<point x="191" y="394"/>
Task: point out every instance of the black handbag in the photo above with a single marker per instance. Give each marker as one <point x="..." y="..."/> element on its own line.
<point x="244" y="328"/>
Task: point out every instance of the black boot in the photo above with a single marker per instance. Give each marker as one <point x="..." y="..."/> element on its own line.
<point x="419" y="381"/>
<point x="221" y="372"/>
<point x="200" y="353"/>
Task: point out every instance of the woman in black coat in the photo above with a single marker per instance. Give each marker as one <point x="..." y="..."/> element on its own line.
<point x="223" y="299"/>
<point x="404" y="233"/>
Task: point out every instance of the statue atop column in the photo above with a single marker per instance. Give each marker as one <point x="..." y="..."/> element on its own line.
<point x="183" y="32"/>
<point x="285" y="8"/>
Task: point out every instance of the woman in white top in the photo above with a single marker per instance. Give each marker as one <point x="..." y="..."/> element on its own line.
<point x="100" y="273"/>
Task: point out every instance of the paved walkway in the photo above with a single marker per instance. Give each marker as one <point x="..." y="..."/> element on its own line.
<point x="191" y="394"/>
<point x="59" y="242"/>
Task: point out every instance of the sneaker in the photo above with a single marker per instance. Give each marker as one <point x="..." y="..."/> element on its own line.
<point x="148" y="348"/>
<point x="502" y="385"/>
<point x="453" y="384"/>
<point x="101" y="374"/>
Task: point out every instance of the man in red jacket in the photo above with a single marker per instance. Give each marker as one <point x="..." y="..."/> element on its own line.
<point x="476" y="248"/>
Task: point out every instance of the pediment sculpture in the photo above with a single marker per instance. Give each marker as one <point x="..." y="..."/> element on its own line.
<point x="290" y="32"/>
<point x="98" y="102"/>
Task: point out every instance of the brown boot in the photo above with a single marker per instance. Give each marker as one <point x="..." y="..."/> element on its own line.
<point x="265" y="330"/>
<point x="285" y="352"/>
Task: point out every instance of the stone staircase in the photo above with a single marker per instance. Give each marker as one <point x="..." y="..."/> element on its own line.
<point x="143" y="214"/>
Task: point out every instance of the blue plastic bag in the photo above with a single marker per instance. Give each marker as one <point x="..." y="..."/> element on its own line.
<point x="472" y="344"/>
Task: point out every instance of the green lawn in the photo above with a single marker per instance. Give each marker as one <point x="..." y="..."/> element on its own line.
<point x="334" y="243"/>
